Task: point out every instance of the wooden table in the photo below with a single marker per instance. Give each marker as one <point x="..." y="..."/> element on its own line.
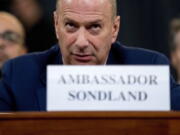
<point x="90" y="123"/>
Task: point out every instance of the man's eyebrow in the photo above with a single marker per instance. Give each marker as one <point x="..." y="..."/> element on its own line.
<point x="69" y="20"/>
<point x="89" y="22"/>
<point x="95" y="21"/>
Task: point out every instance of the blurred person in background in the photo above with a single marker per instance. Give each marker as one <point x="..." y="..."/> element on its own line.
<point x="12" y="37"/>
<point x="40" y="34"/>
<point x="175" y="46"/>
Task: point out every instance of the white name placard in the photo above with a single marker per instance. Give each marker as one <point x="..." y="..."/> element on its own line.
<point x="108" y="88"/>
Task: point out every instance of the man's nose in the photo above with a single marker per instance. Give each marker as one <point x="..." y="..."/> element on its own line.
<point x="82" y="39"/>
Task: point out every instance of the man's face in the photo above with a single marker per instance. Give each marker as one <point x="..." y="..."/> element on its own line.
<point x="85" y="30"/>
<point x="9" y="40"/>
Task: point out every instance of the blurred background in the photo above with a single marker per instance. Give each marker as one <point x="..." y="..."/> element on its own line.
<point x="144" y="23"/>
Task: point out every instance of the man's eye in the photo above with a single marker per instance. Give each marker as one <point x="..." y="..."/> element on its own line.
<point x="95" y="28"/>
<point x="70" y="27"/>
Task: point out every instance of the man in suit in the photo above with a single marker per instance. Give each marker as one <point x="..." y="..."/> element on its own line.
<point x="87" y="31"/>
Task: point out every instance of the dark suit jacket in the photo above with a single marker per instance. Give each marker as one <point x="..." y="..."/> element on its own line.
<point x="23" y="87"/>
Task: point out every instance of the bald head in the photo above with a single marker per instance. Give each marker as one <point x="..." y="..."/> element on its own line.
<point x="112" y="2"/>
<point x="10" y="22"/>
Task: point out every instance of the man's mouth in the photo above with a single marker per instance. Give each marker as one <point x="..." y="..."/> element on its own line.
<point x="82" y="57"/>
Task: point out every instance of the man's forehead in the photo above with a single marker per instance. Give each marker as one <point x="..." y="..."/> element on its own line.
<point x="86" y="1"/>
<point x="6" y="24"/>
<point x="84" y="4"/>
<point x="86" y="7"/>
<point x="9" y="23"/>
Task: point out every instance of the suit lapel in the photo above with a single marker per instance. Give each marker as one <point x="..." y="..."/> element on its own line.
<point x="53" y="58"/>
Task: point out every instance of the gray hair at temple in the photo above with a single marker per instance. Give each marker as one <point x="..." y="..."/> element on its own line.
<point x="113" y="4"/>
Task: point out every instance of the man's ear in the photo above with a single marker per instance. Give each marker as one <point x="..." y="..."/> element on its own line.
<point x="115" y="29"/>
<point x="56" y="23"/>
